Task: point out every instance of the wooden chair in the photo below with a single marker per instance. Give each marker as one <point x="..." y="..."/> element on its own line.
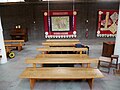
<point x="117" y="71"/>
<point x="111" y="62"/>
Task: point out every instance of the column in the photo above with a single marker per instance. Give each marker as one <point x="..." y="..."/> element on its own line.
<point x="117" y="41"/>
<point x="2" y="46"/>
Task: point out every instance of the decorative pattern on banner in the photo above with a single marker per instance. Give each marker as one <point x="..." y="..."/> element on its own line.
<point x="107" y="23"/>
<point x="60" y="24"/>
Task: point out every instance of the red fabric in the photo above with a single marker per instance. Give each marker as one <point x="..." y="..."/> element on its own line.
<point x="59" y="13"/>
<point x="102" y="14"/>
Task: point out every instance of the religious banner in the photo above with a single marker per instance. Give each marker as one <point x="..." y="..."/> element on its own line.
<point x="60" y="24"/>
<point x="107" y="23"/>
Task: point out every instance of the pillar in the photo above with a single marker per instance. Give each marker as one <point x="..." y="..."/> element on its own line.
<point x="2" y="46"/>
<point x="117" y="41"/>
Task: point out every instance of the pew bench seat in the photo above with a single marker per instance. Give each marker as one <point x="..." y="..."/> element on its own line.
<point x="14" y="43"/>
<point x="59" y="73"/>
<point x="18" y="46"/>
<point x="62" y="60"/>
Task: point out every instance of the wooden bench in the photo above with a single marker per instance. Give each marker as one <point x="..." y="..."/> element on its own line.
<point x="62" y="60"/>
<point x="61" y="74"/>
<point x="73" y="49"/>
<point x="14" y="43"/>
<point x="61" y="43"/>
<point x="54" y="40"/>
<point x="62" y="55"/>
<point x="8" y="50"/>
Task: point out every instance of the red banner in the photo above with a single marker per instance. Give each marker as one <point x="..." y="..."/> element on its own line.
<point x="107" y="23"/>
<point x="60" y="24"/>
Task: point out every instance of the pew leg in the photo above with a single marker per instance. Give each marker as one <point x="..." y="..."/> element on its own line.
<point x="88" y="65"/>
<point x="32" y="83"/>
<point x="8" y="50"/>
<point x="82" y="65"/>
<point x="34" y="65"/>
<point x="91" y="82"/>
<point x="19" y="48"/>
<point x="41" y="65"/>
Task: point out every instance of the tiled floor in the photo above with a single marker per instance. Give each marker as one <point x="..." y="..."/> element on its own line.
<point x="9" y="72"/>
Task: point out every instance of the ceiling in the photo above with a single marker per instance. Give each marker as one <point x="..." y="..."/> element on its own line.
<point x="1" y="1"/>
<point x="56" y="1"/>
<point x="73" y="0"/>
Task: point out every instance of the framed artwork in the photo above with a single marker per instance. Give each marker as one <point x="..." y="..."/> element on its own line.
<point x="60" y="24"/>
<point x="107" y="23"/>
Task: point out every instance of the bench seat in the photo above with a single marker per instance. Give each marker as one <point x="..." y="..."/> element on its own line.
<point x="60" y="44"/>
<point x="61" y="55"/>
<point x="59" y="73"/>
<point x="61" y="40"/>
<point x="18" y="46"/>
<point x="60" y="49"/>
<point x="14" y="43"/>
<point x="63" y="60"/>
<point x="105" y="59"/>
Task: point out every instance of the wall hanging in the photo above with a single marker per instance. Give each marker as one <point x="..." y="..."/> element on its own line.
<point x="107" y="23"/>
<point x="60" y="24"/>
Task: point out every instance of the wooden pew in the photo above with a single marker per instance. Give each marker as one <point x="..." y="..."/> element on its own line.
<point x="61" y="43"/>
<point x="48" y="49"/>
<point x="62" y="60"/>
<point x="14" y="43"/>
<point x="61" y="74"/>
<point x="8" y="50"/>
<point x="62" y="55"/>
<point x="54" y="40"/>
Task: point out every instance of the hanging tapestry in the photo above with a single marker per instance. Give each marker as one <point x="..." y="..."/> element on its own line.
<point x="107" y="23"/>
<point x="60" y="24"/>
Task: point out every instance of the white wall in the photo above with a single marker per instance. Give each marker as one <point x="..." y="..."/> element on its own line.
<point x="2" y="46"/>
<point x="117" y="44"/>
